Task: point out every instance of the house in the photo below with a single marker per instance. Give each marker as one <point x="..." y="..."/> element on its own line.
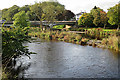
<point x="79" y="14"/>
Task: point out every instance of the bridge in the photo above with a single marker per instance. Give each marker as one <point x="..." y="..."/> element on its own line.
<point x="9" y="23"/>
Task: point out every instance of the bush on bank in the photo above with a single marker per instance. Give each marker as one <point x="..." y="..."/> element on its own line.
<point x="78" y="38"/>
<point x="58" y="27"/>
<point x="60" y="36"/>
<point x="12" y="48"/>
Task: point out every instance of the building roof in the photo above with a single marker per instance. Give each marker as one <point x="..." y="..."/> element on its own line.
<point x="80" y="13"/>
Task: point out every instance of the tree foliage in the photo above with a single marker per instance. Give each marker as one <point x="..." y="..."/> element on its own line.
<point x="10" y="12"/>
<point x="46" y="11"/>
<point x="51" y="10"/>
<point x="66" y="15"/>
<point x="103" y="18"/>
<point x="25" y="8"/>
<point x="96" y="14"/>
<point x="21" y="19"/>
<point x="38" y="11"/>
<point x="85" y="20"/>
<point x="113" y="15"/>
<point x="4" y="14"/>
<point x="12" y="43"/>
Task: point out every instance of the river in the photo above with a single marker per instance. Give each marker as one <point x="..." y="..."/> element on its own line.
<point x="67" y="60"/>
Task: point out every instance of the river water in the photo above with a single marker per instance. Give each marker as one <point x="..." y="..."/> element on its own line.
<point x="67" y="60"/>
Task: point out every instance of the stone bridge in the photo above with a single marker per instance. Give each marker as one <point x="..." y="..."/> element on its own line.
<point x="9" y="23"/>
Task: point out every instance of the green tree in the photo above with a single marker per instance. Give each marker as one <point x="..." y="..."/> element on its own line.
<point x="11" y="12"/>
<point x="113" y="15"/>
<point x="32" y="16"/>
<point x="51" y="10"/>
<point x="37" y="10"/>
<point x="96" y="14"/>
<point x="21" y="19"/>
<point x="12" y="43"/>
<point x="4" y="14"/>
<point x="68" y="14"/>
<point x="103" y="18"/>
<point x="65" y="15"/>
<point x="25" y="8"/>
<point x="85" y="20"/>
<point x="12" y="48"/>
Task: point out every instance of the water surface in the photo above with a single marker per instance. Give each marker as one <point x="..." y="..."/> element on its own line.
<point x="67" y="60"/>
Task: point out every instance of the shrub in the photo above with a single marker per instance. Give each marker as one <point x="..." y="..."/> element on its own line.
<point x="59" y="26"/>
<point x="78" y="37"/>
<point x="113" y="41"/>
<point x="12" y="48"/>
<point x="104" y="41"/>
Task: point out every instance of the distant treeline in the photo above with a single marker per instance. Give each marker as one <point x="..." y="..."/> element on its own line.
<point x="42" y="10"/>
<point x="99" y="18"/>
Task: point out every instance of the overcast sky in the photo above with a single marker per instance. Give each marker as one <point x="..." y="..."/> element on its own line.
<point x="75" y="6"/>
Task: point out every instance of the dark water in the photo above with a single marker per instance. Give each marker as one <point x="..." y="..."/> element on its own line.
<point x="67" y="60"/>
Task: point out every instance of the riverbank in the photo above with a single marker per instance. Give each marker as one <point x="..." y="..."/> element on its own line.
<point x="89" y="38"/>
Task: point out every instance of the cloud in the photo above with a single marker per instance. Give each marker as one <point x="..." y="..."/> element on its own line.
<point x="74" y="5"/>
<point x="86" y="5"/>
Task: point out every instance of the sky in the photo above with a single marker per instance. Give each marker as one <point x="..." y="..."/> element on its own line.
<point x="75" y="6"/>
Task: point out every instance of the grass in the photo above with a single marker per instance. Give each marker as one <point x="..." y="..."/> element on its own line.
<point x="102" y="29"/>
<point x="108" y="37"/>
<point x="58" y="35"/>
<point x="59" y="26"/>
<point x="89" y="29"/>
<point x="112" y="42"/>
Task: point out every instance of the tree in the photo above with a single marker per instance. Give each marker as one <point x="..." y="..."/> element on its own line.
<point x="32" y="16"/>
<point x="85" y="20"/>
<point x="37" y="10"/>
<point x="11" y="12"/>
<point x="96" y="14"/>
<point x="25" y="8"/>
<point x="21" y="19"/>
<point x="69" y="15"/>
<point x="51" y="10"/>
<point x="103" y="18"/>
<point x="12" y="48"/>
<point x="113" y="15"/>
<point x="4" y="14"/>
<point x="12" y="43"/>
<point x="66" y="15"/>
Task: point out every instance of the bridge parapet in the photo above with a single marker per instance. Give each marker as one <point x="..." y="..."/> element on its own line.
<point x="44" y="22"/>
<point x="8" y="22"/>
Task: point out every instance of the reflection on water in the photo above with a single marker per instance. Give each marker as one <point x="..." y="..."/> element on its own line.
<point x="67" y="60"/>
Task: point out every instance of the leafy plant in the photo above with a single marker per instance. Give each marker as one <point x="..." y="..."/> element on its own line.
<point x="21" y="19"/>
<point x="59" y="26"/>
<point x="85" y="20"/>
<point x="113" y="15"/>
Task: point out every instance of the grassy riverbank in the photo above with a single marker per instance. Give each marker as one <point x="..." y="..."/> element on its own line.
<point x="93" y="37"/>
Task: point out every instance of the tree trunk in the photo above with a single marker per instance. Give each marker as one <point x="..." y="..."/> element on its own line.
<point x="86" y="30"/>
<point x="104" y="26"/>
<point x="118" y="27"/>
<point x="41" y="25"/>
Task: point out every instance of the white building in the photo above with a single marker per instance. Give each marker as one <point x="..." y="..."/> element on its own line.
<point x="78" y="15"/>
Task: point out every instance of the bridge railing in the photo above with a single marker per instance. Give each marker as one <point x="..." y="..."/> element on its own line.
<point x="42" y="21"/>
